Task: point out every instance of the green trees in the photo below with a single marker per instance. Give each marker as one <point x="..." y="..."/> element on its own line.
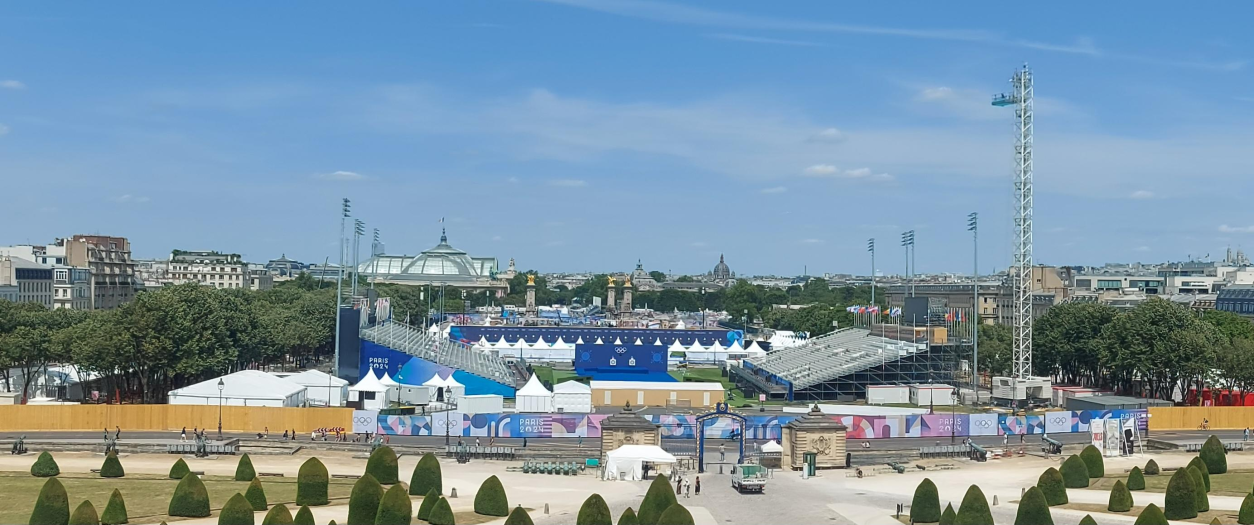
<point x="925" y="507"/>
<point x="441" y="513"/>
<point x="426" y="476"/>
<point x="190" y="499"/>
<point x="1151" y="468"/>
<point x="1075" y="473"/>
<point x="1246" y="516"/>
<point x="1093" y="461"/>
<point x="112" y="468"/>
<point x="382" y="465"/>
<point x="1136" y="480"/>
<point x="52" y="506"/>
<point x="594" y="511"/>
<point x="675" y="515"/>
<point x="115" y="510"/>
<point x="84" y="514"/>
<point x="237" y="511"/>
<point x="1033" y="509"/>
<point x="628" y="517"/>
<point x="1088" y="520"/>
<point x="949" y="516"/>
<point x="395" y="507"/>
<point x="1161" y="344"/>
<point x="1052" y="487"/>
<point x="45" y="466"/>
<point x="1152" y="515"/>
<point x="428" y="503"/>
<point x="1068" y="341"/>
<point x="363" y="502"/>
<point x="657" y="499"/>
<point x="1120" y="498"/>
<point x="244" y="470"/>
<point x="304" y="516"/>
<point x="311" y="483"/>
<point x="1214" y="456"/>
<point x="974" y="509"/>
<point x="1197" y="463"/>
<point x="179" y="469"/>
<point x="1201" y="499"/>
<point x="256" y="495"/>
<point x="1180" y="501"/>
<point x="519" y="516"/>
<point x="491" y="500"/>
<point x="278" y="515"/>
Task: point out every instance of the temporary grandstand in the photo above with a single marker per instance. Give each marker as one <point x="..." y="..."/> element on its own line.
<point x="437" y="349"/>
<point x="841" y="364"/>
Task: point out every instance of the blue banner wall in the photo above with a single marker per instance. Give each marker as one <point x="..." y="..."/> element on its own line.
<point x="410" y="370"/>
<point x="531" y="334"/>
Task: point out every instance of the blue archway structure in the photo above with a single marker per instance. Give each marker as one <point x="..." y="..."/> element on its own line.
<point x="721" y="410"/>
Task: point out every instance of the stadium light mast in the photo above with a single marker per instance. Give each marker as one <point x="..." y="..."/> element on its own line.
<point x="870" y="247"/>
<point x="359" y="229"/>
<point x="1020" y="97"/>
<point x="345" y="208"/>
<point x="907" y="242"/>
<point x="973" y="225"/>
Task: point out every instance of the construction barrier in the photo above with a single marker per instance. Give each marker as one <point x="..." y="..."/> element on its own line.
<point x="35" y="418"/>
<point x="1190" y="418"/>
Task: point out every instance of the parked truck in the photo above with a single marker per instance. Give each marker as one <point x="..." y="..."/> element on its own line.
<point x="749" y="478"/>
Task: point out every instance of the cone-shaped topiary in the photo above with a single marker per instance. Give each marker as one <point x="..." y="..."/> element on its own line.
<point x="925" y="507"/>
<point x="1203" y="500"/>
<point x="179" y="469"/>
<point x="237" y="511"/>
<point x="426" y="476"/>
<point x="1093" y="461"/>
<point x="659" y="497"/>
<point x="974" y="509"/>
<point x="1033" y="510"/>
<point x="395" y="507"/>
<point x="382" y="465"/>
<point x="441" y="513"/>
<point x="1151" y="468"/>
<point x="594" y="511"/>
<point x="45" y="466"/>
<point x="1136" y="480"/>
<point x="1152" y="515"/>
<point x="628" y="517"/>
<point x="1180" y="501"/>
<point x="1075" y="474"/>
<point x="311" y="483"/>
<point x="424" y="508"/>
<point x="304" y="516"/>
<point x="1214" y="455"/>
<point x="53" y="505"/>
<point x="491" y="500"/>
<point x="278" y="515"/>
<point x="1120" y="498"/>
<point x="84" y="514"/>
<point x="1052" y="487"/>
<point x="1246" y="517"/>
<point x="112" y="468"/>
<point x="1197" y="463"/>
<point x="190" y="499"/>
<point x="948" y="517"/>
<point x="363" y="504"/>
<point x="256" y="495"/>
<point x="675" y="515"/>
<point x="244" y="471"/>
<point x="1088" y="520"/>
<point x="115" y="510"/>
<point x="1215" y="521"/>
<point x="519" y="516"/>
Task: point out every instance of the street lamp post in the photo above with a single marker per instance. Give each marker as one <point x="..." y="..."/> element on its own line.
<point x="221" y="386"/>
<point x="703" y="308"/>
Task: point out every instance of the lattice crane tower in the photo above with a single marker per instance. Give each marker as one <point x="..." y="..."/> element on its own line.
<point x="1020" y="97"/>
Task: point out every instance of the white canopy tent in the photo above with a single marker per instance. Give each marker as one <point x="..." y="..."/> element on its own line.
<point x="626" y="463"/>
<point x="533" y="397"/>
<point x="572" y="397"/>
<point x="394" y="388"/>
<point x="772" y="446"/>
<point x="369" y="392"/>
<point x="252" y="388"/>
<point x="322" y="389"/>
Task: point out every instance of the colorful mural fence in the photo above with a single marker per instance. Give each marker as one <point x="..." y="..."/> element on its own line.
<point x="756" y="427"/>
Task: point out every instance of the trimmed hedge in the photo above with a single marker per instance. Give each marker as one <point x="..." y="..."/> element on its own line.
<point x="925" y="507"/>
<point x="190" y="499"/>
<point x="675" y="515"/>
<point x="45" y="466"/>
<point x="85" y="514"/>
<point x="1120" y="498"/>
<point x="519" y="516"/>
<point x="256" y="495"/>
<point x="311" y="483"/>
<point x="1093" y="460"/>
<point x="1136" y="480"/>
<point x="424" y="508"/>
<point x="1180" y="501"/>
<point x="1203" y="500"/>
<point x="278" y="515"/>
<point x="426" y="476"/>
<point x="1200" y="465"/>
<point x="1246" y="517"/>
<point x="1214" y="455"/>
<point x="1151" y="468"/>
<point x="659" y="497"/>
<point x="1052" y="487"/>
<point x="237" y="511"/>
<point x="1152" y="515"/>
<point x="441" y="513"/>
<point x="628" y="517"/>
<point x="304" y="516"/>
<point x="594" y="511"/>
<point x="395" y="507"/>
<point x="52" y="506"/>
<point x="1075" y="473"/>
<point x="1088" y="520"/>
<point x="179" y="469"/>
<point x="974" y="509"/>
<point x="949" y="516"/>
<point x="363" y="503"/>
<point x="115" y="510"/>
<point x="112" y="468"/>
<point x="1033" y="509"/>
<point x="244" y="470"/>
<point x="382" y="465"/>
<point x="491" y="499"/>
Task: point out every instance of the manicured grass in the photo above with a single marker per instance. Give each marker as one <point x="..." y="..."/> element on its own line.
<point x="1099" y="509"/>
<point x="147" y="496"/>
<point x="710" y="375"/>
<point x="1233" y="483"/>
<point x="553" y="376"/>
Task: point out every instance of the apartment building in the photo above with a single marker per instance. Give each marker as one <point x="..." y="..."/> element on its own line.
<point x="71" y="287"/>
<point x="109" y="260"/>
<point x="33" y="280"/>
<point x="218" y="270"/>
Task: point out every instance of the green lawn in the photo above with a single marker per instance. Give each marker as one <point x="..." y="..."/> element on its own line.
<point x="147" y="496"/>
<point x="709" y="375"/>
<point x="553" y="376"/>
<point x="1233" y="483"/>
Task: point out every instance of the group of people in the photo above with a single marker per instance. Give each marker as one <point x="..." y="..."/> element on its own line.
<point x="684" y="486"/>
<point x="196" y="433"/>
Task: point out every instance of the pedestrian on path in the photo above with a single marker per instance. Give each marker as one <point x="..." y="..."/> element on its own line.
<point x="1247" y="433"/>
<point x="687" y="489"/>
<point x="722" y="456"/>
<point x="698" y="485"/>
<point x="183" y="435"/>
<point x="679" y="484"/>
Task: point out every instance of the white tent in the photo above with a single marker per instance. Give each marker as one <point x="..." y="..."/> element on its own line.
<point x="598" y="341"/>
<point x="451" y="385"/>
<point x="573" y="397"/>
<point x="394" y="388"/>
<point x="681" y="326"/>
<point x="754" y="350"/>
<point x="638" y="342"/>
<point x="370" y="392"/>
<point x="676" y="347"/>
<point x="533" y="397"/>
<point x="772" y="446"/>
<point x="321" y="387"/>
<point x="252" y="388"/>
<point x="657" y="342"/>
<point x="626" y="463"/>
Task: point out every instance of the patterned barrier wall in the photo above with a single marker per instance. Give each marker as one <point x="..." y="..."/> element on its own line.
<point x="757" y="427"/>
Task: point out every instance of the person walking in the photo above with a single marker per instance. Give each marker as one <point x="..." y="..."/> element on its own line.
<point x="117" y="433"/>
<point x="1247" y="433"/>
<point x="524" y="441"/>
<point x="183" y="435"/>
<point x="687" y="489"/>
<point x="679" y="485"/>
<point x="698" y="483"/>
<point x="722" y="455"/>
<point x="476" y="442"/>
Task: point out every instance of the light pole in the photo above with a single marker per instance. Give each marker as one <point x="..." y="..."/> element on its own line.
<point x="345" y="207"/>
<point x="973" y="225"/>
<point x="703" y="308"/>
<point x="221" y="386"/>
<point x="870" y="247"/>
<point x="907" y="242"/>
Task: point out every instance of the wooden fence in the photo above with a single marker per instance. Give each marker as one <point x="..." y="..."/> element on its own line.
<point x="170" y="417"/>
<point x="1190" y="418"/>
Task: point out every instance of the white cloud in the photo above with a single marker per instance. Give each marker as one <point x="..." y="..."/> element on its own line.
<point x="776" y="189"/>
<point x="341" y="176"/>
<point x="821" y="170"/>
<point x="4" y="130"/>
<point x="128" y="198"/>
<point x="1141" y="194"/>
<point x="812" y="241"/>
<point x="512" y="180"/>
<point x="830" y="171"/>
<point x="763" y="40"/>
<point x="568" y="183"/>
<point x="1236" y="229"/>
<point x="12" y="84"/>
<point x="1142" y="248"/>
<point x="829" y="135"/>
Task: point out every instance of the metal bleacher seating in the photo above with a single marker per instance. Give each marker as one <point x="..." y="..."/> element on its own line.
<point x="414" y="341"/>
<point x="833" y="355"/>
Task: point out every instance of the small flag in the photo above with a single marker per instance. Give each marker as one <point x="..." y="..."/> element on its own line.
<point x="441" y="220"/>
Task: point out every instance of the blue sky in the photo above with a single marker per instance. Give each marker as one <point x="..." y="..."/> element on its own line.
<point x="581" y="135"/>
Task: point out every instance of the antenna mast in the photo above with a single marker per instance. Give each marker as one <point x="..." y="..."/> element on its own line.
<point x="1020" y="98"/>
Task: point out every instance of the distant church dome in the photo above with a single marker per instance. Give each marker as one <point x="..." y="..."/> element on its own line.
<point x="721" y="271"/>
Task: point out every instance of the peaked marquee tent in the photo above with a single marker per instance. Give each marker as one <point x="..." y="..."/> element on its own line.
<point x="533" y="397"/>
<point x="626" y="463"/>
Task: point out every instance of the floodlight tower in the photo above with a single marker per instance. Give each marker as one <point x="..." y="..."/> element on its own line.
<point x="1020" y="97"/>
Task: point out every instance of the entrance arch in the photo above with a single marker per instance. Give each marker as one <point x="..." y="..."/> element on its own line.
<point x="721" y="410"/>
